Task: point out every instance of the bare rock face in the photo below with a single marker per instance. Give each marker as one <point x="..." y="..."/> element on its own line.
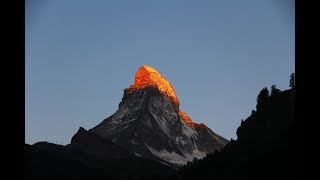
<point x="150" y="124"/>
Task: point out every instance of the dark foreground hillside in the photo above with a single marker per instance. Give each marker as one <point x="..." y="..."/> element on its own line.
<point x="265" y="148"/>
<point x="51" y="161"/>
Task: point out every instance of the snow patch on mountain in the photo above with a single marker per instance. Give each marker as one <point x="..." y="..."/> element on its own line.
<point x="175" y="158"/>
<point x="188" y="131"/>
<point x="161" y="123"/>
<point x="195" y="154"/>
<point x="130" y="121"/>
<point x="179" y="140"/>
<point x="171" y="157"/>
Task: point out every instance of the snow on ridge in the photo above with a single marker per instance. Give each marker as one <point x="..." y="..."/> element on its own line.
<point x="125" y="127"/>
<point x="160" y="122"/>
<point x="171" y="157"/>
<point x="130" y="120"/>
<point x="180" y="141"/>
<point x="175" y="158"/>
<point x="195" y="154"/>
<point x="188" y="131"/>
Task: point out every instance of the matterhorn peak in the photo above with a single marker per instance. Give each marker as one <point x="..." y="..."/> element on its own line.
<point x="149" y="76"/>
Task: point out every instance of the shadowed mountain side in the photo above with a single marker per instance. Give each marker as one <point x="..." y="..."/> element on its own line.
<point x="89" y="157"/>
<point x="265" y="148"/>
<point x="92" y="144"/>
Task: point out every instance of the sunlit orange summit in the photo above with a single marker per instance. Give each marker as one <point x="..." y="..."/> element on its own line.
<point x="148" y="76"/>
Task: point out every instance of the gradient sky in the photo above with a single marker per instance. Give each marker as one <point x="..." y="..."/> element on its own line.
<point x="218" y="55"/>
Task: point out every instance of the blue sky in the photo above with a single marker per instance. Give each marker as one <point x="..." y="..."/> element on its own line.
<point x="218" y="55"/>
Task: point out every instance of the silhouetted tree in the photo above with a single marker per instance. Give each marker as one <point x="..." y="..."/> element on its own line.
<point x="241" y="121"/>
<point x="292" y="80"/>
<point x="188" y="164"/>
<point x="253" y="111"/>
<point x="262" y="98"/>
<point x="195" y="160"/>
<point x="274" y="90"/>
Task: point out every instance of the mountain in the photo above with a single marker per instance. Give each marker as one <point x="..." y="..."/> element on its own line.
<point x="265" y="147"/>
<point x="150" y="124"/>
<point x="148" y="137"/>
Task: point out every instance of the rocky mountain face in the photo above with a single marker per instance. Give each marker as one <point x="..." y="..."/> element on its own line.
<point x="150" y="124"/>
<point x="94" y="145"/>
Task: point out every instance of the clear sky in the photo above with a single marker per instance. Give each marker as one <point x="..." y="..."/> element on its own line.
<point x="218" y="55"/>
